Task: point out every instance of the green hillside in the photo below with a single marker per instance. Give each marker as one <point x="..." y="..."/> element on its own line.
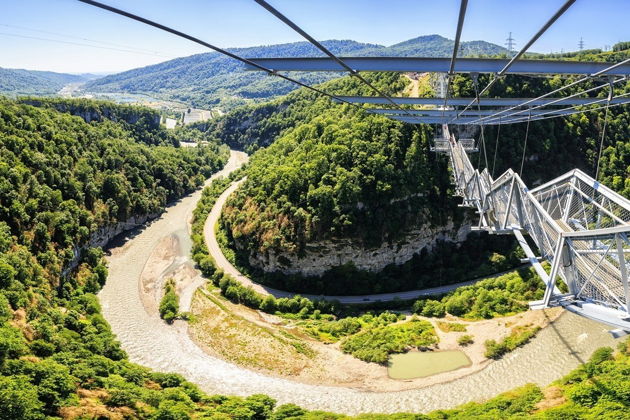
<point x="58" y="357"/>
<point x="329" y="171"/>
<point x="210" y="79"/>
<point x="15" y="82"/>
<point x="307" y="184"/>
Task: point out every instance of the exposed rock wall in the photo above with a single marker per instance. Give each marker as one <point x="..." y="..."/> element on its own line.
<point x="102" y="236"/>
<point x="98" y="112"/>
<point x="322" y="256"/>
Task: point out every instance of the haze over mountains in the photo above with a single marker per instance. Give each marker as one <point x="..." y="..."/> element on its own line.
<point x="210" y="79"/>
<point x="33" y="82"/>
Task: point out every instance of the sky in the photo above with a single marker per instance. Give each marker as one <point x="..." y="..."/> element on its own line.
<point x="72" y="37"/>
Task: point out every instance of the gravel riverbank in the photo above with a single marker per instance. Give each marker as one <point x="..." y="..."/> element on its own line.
<point x="150" y="342"/>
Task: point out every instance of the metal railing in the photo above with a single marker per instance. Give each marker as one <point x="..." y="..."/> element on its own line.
<point x="579" y="226"/>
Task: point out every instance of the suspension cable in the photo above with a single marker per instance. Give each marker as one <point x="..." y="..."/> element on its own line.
<point x="475" y="79"/>
<point x="538" y="34"/>
<point x="601" y="143"/>
<point x="520" y="174"/>
<point x="560" y="112"/>
<point x="326" y="51"/>
<point x="562" y="88"/>
<point x="458" y="33"/>
<point x="212" y="47"/>
<point x="496" y="147"/>
<point x="583" y="92"/>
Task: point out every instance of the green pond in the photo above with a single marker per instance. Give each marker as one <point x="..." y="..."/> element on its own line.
<point x="417" y="364"/>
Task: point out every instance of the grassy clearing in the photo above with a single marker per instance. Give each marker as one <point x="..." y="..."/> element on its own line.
<point x="451" y="326"/>
<point x="243" y="341"/>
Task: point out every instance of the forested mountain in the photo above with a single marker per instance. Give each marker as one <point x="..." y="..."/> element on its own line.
<point x="330" y="171"/>
<point x="436" y="46"/>
<point x="30" y="82"/>
<point x="308" y="183"/>
<point x="61" y="180"/>
<point x="210" y="79"/>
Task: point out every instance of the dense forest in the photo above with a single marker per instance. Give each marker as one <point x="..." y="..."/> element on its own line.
<point x="16" y="82"/>
<point x="330" y="171"/>
<point x="61" y="180"/>
<point x="335" y="172"/>
<point x="209" y="80"/>
<point x="143" y="123"/>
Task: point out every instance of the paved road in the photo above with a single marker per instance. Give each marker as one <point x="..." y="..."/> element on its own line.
<point x="215" y="251"/>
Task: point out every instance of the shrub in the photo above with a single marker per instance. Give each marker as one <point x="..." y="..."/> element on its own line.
<point x="376" y="344"/>
<point x="465" y="340"/>
<point x="518" y="337"/>
<point x="169" y="305"/>
<point x="268" y="304"/>
<point x="433" y="308"/>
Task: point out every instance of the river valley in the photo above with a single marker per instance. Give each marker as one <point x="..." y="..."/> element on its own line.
<point x="149" y="341"/>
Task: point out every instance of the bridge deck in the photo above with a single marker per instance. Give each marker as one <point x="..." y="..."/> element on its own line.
<point x="579" y="226"/>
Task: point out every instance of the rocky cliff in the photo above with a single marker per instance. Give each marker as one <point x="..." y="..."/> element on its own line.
<point x="98" y="111"/>
<point x="102" y="236"/>
<point x="320" y="257"/>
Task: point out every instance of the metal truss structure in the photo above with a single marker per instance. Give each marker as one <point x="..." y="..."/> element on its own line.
<point x="580" y="227"/>
<point x="436" y="65"/>
<point x="496" y="102"/>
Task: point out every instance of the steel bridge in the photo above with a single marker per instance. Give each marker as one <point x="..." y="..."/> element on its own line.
<point x="579" y="226"/>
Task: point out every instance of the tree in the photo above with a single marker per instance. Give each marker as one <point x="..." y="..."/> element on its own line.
<point x="18" y="399"/>
<point x="169" y="305"/>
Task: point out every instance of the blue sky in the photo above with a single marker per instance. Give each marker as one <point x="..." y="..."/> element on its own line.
<point x="43" y="34"/>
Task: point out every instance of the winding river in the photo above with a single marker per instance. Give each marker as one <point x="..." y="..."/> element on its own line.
<point x="149" y="341"/>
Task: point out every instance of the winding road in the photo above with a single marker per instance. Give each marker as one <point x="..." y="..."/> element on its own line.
<point x="222" y="262"/>
<point x="149" y="341"/>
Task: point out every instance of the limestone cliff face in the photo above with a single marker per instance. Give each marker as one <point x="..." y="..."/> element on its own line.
<point x="322" y="256"/>
<point x="102" y="236"/>
<point x="98" y="112"/>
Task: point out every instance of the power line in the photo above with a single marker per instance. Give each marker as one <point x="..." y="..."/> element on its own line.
<point x="81" y="38"/>
<point x="212" y="47"/>
<point x="80" y="44"/>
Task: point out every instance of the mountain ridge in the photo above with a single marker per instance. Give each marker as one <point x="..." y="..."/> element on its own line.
<point x="210" y="79"/>
<point x="35" y="82"/>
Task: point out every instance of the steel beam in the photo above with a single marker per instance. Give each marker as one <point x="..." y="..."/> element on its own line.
<point x="452" y="112"/>
<point x="434" y="120"/>
<point x="437" y="65"/>
<point x="379" y="100"/>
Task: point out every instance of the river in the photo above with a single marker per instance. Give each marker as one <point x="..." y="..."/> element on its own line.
<point x="150" y="342"/>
